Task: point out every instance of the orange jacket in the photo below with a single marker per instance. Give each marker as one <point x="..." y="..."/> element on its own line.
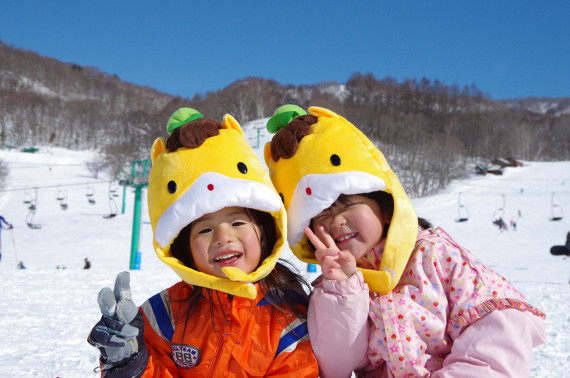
<point x="252" y="339"/>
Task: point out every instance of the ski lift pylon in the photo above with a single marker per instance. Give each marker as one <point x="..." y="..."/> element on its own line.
<point x="462" y="211"/>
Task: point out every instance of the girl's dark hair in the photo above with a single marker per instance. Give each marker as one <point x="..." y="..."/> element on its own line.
<point x="284" y="288"/>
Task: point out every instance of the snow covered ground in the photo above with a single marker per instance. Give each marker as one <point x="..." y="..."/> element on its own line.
<point x="46" y="313"/>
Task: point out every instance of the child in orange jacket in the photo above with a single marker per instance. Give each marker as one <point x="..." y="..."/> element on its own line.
<point x="220" y="225"/>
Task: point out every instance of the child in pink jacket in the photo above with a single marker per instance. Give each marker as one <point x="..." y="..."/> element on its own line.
<point x="398" y="298"/>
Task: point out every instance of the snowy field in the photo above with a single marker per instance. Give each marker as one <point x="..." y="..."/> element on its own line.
<point x="46" y="313"/>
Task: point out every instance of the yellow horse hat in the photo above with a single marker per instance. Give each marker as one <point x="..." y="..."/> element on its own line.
<point x="313" y="161"/>
<point x="205" y="169"/>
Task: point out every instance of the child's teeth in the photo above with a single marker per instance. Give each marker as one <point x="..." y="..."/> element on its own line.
<point x="345" y="237"/>
<point x="225" y="257"/>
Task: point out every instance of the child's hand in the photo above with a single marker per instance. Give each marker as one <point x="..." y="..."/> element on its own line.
<point x="335" y="264"/>
<point x="119" y="334"/>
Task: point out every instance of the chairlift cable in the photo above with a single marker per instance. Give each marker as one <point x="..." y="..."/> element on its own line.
<point x="54" y="186"/>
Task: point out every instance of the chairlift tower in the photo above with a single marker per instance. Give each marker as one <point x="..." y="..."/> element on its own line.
<point x="259" y="136"/>
<point x="138" y="179"/>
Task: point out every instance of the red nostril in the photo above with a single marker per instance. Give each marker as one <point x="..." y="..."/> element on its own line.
<point x="210" y="187"/>
<point x="308" y="191"/>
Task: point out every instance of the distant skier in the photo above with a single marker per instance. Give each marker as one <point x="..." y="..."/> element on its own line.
<point x="21" y="265"/>
<point x="87" y="264"/>
<point x="501" y="224"/>
<point x="8" y="226"/>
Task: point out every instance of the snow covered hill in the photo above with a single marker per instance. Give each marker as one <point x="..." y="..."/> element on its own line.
<point x="545" y="105"/>
<point x="46" y="313"/>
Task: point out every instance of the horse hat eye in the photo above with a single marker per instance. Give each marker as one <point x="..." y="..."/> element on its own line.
<point x="242" y="167"/>
<point x="335" y="160"/>
<point x="171" y="187"/>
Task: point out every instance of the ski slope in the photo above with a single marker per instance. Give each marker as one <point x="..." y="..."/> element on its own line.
<point x="46" y="313"/>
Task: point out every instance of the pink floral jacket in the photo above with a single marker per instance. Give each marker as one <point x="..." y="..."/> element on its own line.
<point x="449" y="315"/>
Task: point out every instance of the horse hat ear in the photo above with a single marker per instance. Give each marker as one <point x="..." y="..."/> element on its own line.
<point x="267" y="152"/>
<point x="158" y="147"/>
<point x="230" y="122"/>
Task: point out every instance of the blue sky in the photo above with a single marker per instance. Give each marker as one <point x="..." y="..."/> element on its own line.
<point x="508" y="49"/>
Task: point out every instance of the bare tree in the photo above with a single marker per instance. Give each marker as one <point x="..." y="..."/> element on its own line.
<point x="4" y="171"/>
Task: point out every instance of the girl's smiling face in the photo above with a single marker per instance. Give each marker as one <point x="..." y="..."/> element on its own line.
<point x="355" y="222"/>
<point x="228" y="237"/>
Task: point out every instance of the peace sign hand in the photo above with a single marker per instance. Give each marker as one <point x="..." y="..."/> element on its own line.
<point x="335" y="264"/>
<point x="119" y="334"/>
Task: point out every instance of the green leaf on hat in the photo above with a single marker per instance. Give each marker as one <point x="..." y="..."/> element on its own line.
<point x="282" y="116"/>
<point x="181" y="117"/>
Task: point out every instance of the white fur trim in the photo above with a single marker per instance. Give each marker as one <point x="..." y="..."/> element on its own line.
<point x="325" y="189"/>
<point x="199" y="200"/>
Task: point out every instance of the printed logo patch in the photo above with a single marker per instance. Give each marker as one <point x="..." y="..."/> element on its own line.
<point x="185" y="356"/>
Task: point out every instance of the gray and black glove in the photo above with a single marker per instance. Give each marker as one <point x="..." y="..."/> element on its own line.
<point x="119" y="334"/>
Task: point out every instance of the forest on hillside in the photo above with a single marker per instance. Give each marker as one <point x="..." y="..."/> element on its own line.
<point x="429" y="131"/>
